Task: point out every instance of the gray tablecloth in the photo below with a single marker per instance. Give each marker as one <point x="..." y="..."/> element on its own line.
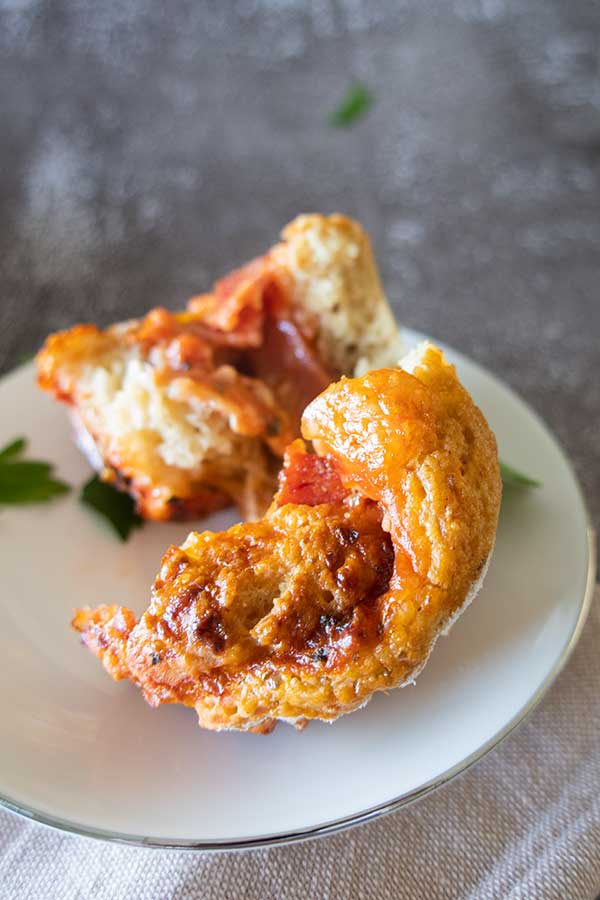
<point x="147" y="148"/>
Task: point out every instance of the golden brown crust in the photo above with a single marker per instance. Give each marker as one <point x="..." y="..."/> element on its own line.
<point x="307" y="612"/>
<point x="105" y="631"/>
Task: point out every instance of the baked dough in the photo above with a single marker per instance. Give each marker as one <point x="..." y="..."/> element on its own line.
<point x="191" y="411"/>
<point x="373" y="545"/>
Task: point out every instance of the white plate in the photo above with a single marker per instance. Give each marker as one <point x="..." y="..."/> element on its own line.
<point x="85" y="754"/>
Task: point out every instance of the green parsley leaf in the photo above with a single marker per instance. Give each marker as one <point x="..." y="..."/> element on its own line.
<point x="512" y="478"/>
<point x="356" y="102"/>
<point x="13" y="449"/>
<point x="24" y="480"/>
<point x="116" y="507"/>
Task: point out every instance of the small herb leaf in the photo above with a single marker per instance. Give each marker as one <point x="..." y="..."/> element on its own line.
<point x="356" y="102"/>
<point x="116" y="507"/>
<point x="13" y="449"/>
<point x="512" y="478"/>
<point x="24" y="480"/>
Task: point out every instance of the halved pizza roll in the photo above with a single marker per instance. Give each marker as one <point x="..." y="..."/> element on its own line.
<point x="190" y="411"/>
<point x="378" y="538"/>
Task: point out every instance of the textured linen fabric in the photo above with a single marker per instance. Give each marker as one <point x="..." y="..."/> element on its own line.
<point x="524" y="823"/>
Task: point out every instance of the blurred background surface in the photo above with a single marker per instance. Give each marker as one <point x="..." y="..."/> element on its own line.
<point x="147" y="148"/>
